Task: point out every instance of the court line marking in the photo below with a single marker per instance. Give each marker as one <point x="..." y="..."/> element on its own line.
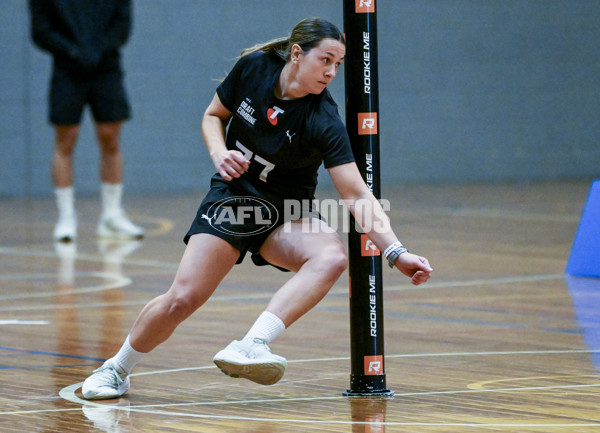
<point x="68" y="393"/>
<point x="45" y="353"/>
<point x="165" y="225"/>
<point x="118" y="282"/>
<point x="85" y="257"/>
<point x="479" y="282"/>
<point x="515" y="215"/>
<point x="341" y="290"/>
<point x="429" y="285"/>
<point x="482" y="385"/>
<point x="23" y="322"/>
<point x="333" y="292"/>
<point x="145" y="409"/>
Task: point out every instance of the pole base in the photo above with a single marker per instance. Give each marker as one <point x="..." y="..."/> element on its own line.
<point x="368" y="386"/>
<point x="385" y="393"/>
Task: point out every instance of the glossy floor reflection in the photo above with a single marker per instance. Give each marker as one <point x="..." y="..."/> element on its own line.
<point x="499" y="340"/>
<point x="585" y="293"/>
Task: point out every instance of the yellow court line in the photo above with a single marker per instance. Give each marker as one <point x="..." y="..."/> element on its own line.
<point x="482" y="385"/>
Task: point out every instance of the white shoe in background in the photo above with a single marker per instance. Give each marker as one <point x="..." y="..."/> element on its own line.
<point x="65" y="229"/>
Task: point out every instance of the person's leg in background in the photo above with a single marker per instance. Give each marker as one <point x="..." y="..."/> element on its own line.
<point x="114" y="223"/>
<point x="65" y="139"/>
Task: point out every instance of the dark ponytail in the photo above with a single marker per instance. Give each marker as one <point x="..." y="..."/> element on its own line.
<point x="308" y="33"/>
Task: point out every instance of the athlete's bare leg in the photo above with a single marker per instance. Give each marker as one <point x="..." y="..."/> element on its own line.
<point x="206" y="261"/>
<point x="317" y="258"/>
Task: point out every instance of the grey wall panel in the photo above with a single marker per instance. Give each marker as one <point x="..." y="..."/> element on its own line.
<point x="470" y="90"/>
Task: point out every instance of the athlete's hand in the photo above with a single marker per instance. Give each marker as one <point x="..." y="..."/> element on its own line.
<point x="415" y="267"/>
<point x="230" y="164"/>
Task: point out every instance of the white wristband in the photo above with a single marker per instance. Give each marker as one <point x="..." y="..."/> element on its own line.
<point x="391" y="248"/>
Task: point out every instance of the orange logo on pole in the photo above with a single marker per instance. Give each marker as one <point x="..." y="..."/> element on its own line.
<point x="368" y="248"/>
<point x="365" y="6"/>
<point x="373" y="365"/>
<point x="367" y="123"/>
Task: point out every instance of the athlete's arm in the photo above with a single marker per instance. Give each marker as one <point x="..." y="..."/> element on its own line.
<point x="229" y="163"/>
<point x="369" y="214"/>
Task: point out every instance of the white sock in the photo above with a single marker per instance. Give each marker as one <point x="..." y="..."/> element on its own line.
<point x="65" y="201"/>
<point x="111" y="194"/>
<point x="267" y="327"/>
<point x="127" y="357"/>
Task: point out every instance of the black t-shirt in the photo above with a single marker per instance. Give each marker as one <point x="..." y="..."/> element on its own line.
<point x="285" y="140"/>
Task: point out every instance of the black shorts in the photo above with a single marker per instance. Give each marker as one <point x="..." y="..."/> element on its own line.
<point x="103" y="92"/>
<point x="244" y="221"/>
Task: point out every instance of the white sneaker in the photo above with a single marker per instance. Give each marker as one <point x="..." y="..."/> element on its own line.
<point x="251" y="359"/>
<point x="108" y="381"/>
<point x="65" y="229"/>
<point x="119" y="226"/>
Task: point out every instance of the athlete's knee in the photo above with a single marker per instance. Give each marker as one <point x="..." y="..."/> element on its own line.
<point x="181" y="305"/>
<point x="180" y="308"/>
<point x="339" y="261"/>
<point x="333" y="259"/>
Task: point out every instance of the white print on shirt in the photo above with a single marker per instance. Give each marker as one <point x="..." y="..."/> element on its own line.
<point x="246" y="111"/>
<point x="289" y="135"/>
<point x="249" y="155"/>
<point x="207" y="218"/>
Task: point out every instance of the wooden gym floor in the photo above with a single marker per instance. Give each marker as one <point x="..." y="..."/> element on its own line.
<point x="498" y="341"/>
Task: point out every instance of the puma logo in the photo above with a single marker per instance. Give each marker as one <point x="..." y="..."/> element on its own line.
<point x="289" y="135"/>
<point x="204" y="216"/>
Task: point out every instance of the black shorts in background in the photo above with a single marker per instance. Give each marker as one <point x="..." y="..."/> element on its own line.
<point x="104" y="92"/>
